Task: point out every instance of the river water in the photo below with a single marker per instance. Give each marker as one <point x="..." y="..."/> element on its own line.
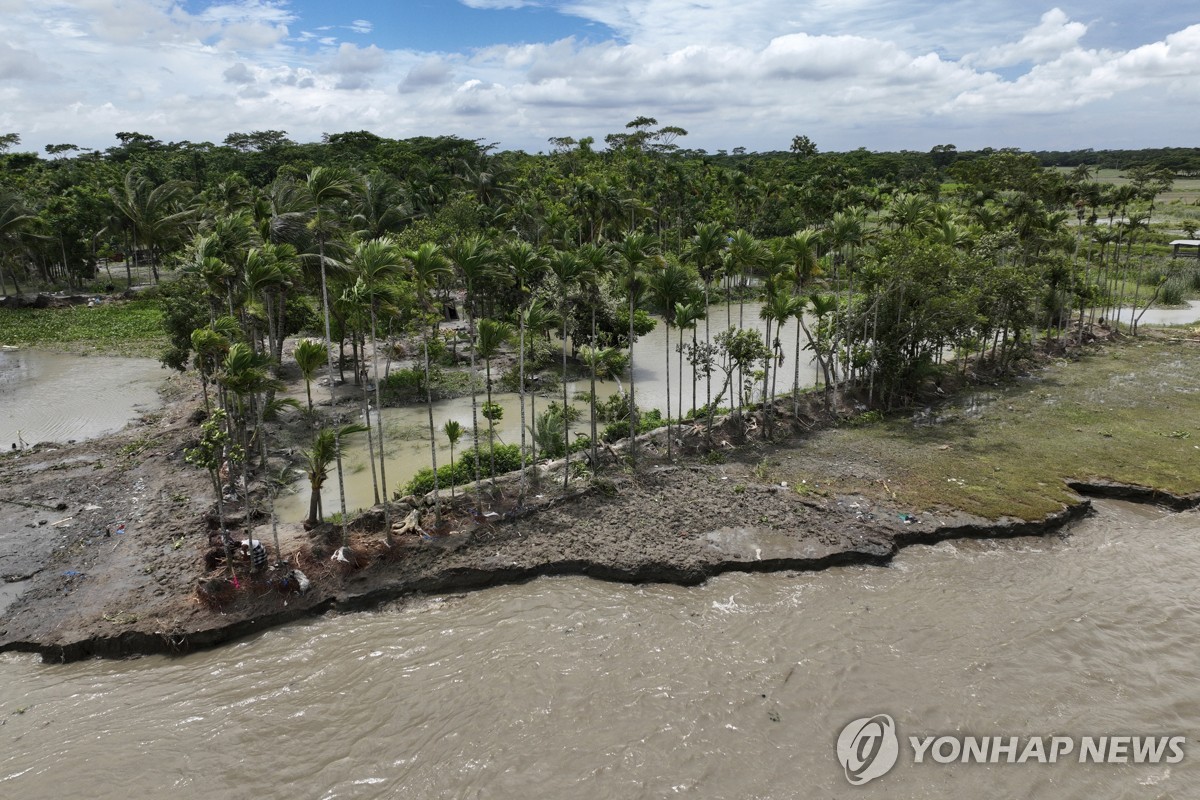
<point x="738" y="688"/>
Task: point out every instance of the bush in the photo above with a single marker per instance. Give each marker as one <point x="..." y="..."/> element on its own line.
<point x="647" y="421"/>
<point x="1172" y="292"/>
<point x="508" y="459"/>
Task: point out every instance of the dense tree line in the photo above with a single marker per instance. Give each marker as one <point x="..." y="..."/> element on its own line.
<point x="888" y="261"/>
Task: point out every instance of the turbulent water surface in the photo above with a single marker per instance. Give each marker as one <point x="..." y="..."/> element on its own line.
<point x="736" y="689"/>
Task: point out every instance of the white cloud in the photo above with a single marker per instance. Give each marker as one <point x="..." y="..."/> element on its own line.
<point x="875" y="73"/>
<point x="1054" y="35"/>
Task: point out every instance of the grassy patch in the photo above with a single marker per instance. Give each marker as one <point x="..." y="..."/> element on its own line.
<point x="133" y="328"/>
<point x="1128" y="413"/>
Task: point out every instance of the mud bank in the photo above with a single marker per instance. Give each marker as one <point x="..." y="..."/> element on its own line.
<point x="667" y="524"/>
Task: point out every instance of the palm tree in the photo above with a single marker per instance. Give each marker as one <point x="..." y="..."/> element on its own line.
<point x="474" y="259"/>
<point x="493" y="334"/>
<point x="822" y="306"/>
<point x="801" y="247"/>
<point x="316" y="467"/>
<point x="568" y="270"/>
<point x="779" y="308"/>
<point x="687" y="315"/>
<point x="745" y="254"/>
<point x="453" y="431"/>
<point x="428" y="265"/>
<point x="634" y="251"/>
<point x="598" y="259"/>
<point x="669" y="286"/>
<point x="210" y="348"/>
<point x="153" y="214"/>
<point x="321" y="189"/>
<point x="244" y="374"/>
<point x="537" y="320"/>
<point x="526" y="263"/>
<point x="310" y="354"/>
<point x="381" y="208"/>
<point x="846" y="234"/>
<point x="376" y="262"/>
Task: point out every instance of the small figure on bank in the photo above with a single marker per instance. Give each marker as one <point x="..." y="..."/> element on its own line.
<point x="257" y="552"/>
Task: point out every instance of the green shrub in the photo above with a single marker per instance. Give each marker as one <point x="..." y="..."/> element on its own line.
<point x="647" y="421"/>
<point x="508" y="459"/>
<point x="1172" y="292"/>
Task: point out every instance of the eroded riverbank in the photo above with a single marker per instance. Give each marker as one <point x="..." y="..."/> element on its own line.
<point x="679" y="522"/>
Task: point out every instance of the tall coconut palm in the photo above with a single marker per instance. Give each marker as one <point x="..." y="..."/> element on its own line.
<point x="475" y="261"/>
<point x="526" y="264"/>
<point x="568" y="270"/>
<point x="537" y="320"/>
<point x="428" y="266"/>
<point x="376" y="263"/>
<point x="801" y="248"/>
<point x="687" y="317"/>
<point x="310" y="354"/>
<point x="493" y="334"/>
<point x="669" y="285"/>
<point x="598" y="258"/>
<point x="634" y="251"/>
<point x="153" y="213"/>
<point x="322" y="190"/>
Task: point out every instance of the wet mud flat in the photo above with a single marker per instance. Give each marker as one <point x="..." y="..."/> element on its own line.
<point x="134" y="593"/>
<point x="852" y="495"/>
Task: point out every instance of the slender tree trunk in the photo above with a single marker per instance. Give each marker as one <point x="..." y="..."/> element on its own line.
<point x="633" y="421"/>
<point x="796" y="375"/>
<point x="565" y="418"/>
<point x="667" y="375"/>
<point x="521" y="380"/>
<point x="366" y="412"/>
<point x="475" y="427"/>
<point x="337" y="437"/>
<point x="387" y="509"/>
<point x="595" y="445"/>
<point x="437" y="503"/>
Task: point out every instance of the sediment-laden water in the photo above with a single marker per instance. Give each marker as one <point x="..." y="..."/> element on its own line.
<point x="582" y="689"/>
<point x="51" y="397"/>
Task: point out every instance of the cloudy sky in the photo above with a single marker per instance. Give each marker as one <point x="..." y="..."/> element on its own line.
<point x="880" y="74"/>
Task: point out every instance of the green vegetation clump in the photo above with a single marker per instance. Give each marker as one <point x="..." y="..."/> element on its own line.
<point x="120" y="328"/>
<point x="508" y="459"/>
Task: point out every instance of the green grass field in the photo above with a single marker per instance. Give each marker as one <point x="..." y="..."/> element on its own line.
<point x="1126" y="412"/>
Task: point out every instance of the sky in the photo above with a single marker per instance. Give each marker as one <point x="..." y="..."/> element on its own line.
<point x="879" y="74"/>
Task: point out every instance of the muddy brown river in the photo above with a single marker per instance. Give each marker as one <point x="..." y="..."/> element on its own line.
<point x="571" y="688"/>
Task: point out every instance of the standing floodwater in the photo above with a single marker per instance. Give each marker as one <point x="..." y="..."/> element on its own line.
<point x="51" y="397"/>
<point x="582" y="689"/>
